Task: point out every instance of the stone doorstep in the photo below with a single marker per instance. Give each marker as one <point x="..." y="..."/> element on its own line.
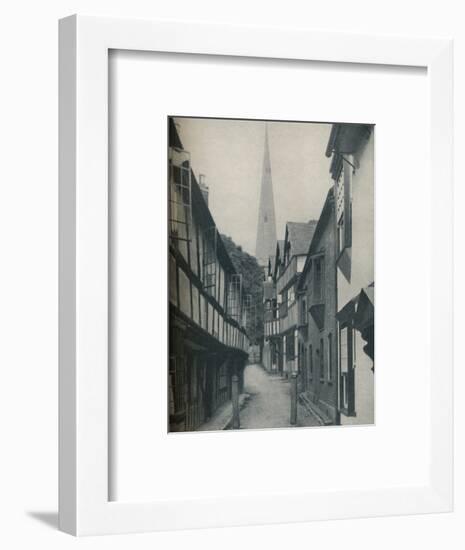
<point x="222" y="419"/>
<point x="322" y="418"/>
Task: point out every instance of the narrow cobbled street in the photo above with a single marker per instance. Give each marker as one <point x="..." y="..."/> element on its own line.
<point x="269" y="402"/>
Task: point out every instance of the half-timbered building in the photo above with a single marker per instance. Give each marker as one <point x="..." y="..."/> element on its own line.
<point x="208" y="343"/>
<point x="288" y="269"/>
<point x="271" y="348"/>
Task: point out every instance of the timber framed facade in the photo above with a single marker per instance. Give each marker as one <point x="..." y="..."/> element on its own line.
<point x="280" y="297"/>
<point x="208" y="343"/>
<point x="272" y="358"/>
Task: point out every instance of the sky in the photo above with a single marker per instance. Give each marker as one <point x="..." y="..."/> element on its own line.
<point x="230" y="155"/>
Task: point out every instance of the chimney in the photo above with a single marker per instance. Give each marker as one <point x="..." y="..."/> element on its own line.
<point x="203" y="187"/>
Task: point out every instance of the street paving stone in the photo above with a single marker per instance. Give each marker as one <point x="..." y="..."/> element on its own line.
<point x="269" y="403"/>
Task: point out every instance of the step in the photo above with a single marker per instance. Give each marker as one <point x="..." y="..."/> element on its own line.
<point x="313" y="408"/>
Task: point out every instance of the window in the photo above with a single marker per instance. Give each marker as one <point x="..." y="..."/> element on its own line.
<point x="322" y="360"/>
<point x="209" y="260"/>
<point x="330" y="357"/>
<point x="318" y="278"/>
<point x="179" y="196"/>
<point x="346" y="365"/>
<point x="180" y="203"/>
<point x="234" y="296"/>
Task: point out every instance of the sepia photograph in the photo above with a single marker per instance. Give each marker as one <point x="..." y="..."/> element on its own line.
<point x="271" y="274"/>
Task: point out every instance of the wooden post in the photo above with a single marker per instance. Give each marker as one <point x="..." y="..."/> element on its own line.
<point x="293" y="399"/>
<point x="235" y="402"/>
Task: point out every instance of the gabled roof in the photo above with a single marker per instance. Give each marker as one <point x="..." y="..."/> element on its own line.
<point x="322" y="222"/>
<point x="271" y="262"/>
<point x="299" y="236"/>
<point x="345" y="139"/>
<point x="277" y="259"/>
<point x="328" y="208"/>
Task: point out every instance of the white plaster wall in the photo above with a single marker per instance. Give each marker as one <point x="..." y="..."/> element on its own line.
<point x="363" y="227"/>
<point x="362" y="274"/>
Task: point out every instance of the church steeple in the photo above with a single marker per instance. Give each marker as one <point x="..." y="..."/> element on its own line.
<point x="266" y="227"/>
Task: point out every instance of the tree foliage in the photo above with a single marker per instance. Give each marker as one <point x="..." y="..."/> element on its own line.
<point x="252" y="283"/>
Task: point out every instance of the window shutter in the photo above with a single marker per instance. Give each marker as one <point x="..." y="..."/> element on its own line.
<point x="347" y="205"/>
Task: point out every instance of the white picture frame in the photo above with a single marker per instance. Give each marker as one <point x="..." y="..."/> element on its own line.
<point x="85" y="42"/>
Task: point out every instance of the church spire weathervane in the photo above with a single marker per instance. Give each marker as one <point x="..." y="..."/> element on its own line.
<point x="266" y="227"/>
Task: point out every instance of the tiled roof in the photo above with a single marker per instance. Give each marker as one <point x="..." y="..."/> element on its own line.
<point x="300" y="236"/>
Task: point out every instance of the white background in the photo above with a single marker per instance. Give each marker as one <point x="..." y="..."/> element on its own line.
<point x="393" y="453"/>
<point x="28" y="285"/>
